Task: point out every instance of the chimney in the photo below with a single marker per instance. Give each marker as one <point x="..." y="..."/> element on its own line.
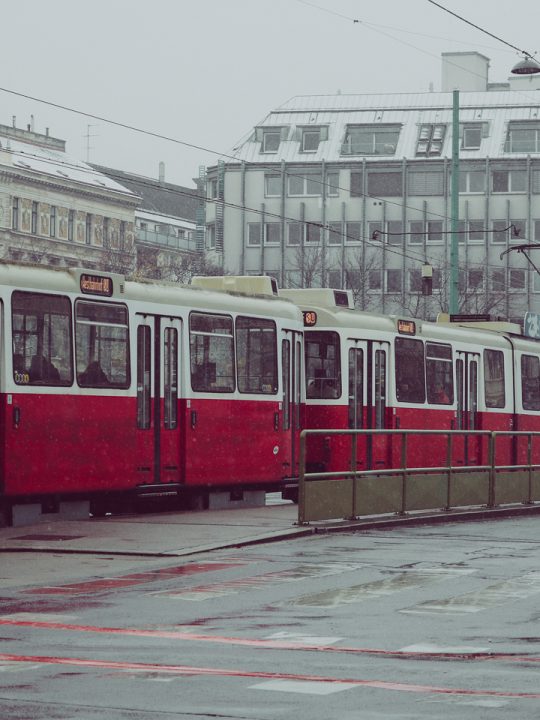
<point x="14" y="121"/>
<point x="162" y="172"/>
<point x="32" y="123"/>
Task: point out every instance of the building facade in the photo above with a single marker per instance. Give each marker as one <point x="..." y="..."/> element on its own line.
<point x="354" y="191"/>
<point x="56" y="210"/>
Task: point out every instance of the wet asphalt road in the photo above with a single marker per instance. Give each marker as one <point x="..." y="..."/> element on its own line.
<point x="419" y="622"/>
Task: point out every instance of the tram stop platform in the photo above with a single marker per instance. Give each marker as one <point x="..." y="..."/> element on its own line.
<point x="157" y="534"/>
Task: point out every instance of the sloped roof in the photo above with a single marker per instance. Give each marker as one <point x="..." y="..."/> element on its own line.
<point x="405" y="110"/>
<point x="56" y="164"/>
<point x="162" y="198"/>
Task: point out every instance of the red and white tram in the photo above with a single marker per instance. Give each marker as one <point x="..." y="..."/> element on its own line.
<point x="365" y="370"/>
<point x="109" y="386"/>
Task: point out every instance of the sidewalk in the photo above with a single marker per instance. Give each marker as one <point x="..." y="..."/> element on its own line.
<point x="161" y="534"/>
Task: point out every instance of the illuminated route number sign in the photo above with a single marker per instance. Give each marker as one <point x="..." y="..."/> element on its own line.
<point x="406" y="327"/>
<point x="96" y="285"/>
<point x="310" y="318"/>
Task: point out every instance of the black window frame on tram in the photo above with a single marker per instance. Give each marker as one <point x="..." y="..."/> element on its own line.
<point x="211" y="352"/>
<point x="530" y="382"/>
<point x="323" y="369"/>
<point x="42" y="348"/>
<point x="494" y="383"/>
<point x="410" y="370"/>
<point x="97" y="336"/>
<point x="256" y="355"/>
<point x="439" y="374"/>
<point x="144" y="376"/>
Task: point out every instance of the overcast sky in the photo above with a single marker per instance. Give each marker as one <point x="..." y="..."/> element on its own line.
<point x="205" y="72"/>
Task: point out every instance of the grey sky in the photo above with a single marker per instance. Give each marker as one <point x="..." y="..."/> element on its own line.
<point x="205" y="72"/>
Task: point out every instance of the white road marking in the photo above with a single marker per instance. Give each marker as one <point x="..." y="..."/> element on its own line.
<point x="443" y="649"/>
<point x="298" y="639"/>
<point x="306" y="687"/>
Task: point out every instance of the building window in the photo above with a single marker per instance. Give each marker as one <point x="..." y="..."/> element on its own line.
<point x="310" y="140"/>
<point x="507" y="181"/>
<point x="332" y="184"/>
<point x="335" y="230"/>
<point x="497" y="280"/>
<point x="523" y="137"/>
<point x="472" y="181"/>
<point x="34" y="218"/>
<point x="425" y="183"/>
<point x="393" y="281"/>
<point x="353" y="232"/>
<point x="211" y="236"/>
<point x="374" y="280"/>
<point x="375" y="230"/>
<point x="313" y="233"/>
<point x="294" y="233"/>
<point x="385" y="184"/>
<point x="416" y="232"/>
<point x="500" y="231"/>
<point x="88" y="233"/>
<point x="475" y="280"/>
<point x="334" y="279"/>
<point x="435" y="231"/>
<point x="357" y="184"/>
<point x="370" y="140"/>
<point x="472" y="137"/>
<point x="254" y="234"/>
<point x="272" y="233"/>
<point x="476" y="231"/>
<point x="270" y="141"/>
<point x="106" y="239"/>
<point x="293" y="278"/>
<point x="272" y="185"/>
<point x="415" y="281"/>
<point x="394" y="232"/>
<point x="304" y="183"/>
<point x="15" y="214"/>
<point x="516" y="280"/>
<point x="430" y="140"/>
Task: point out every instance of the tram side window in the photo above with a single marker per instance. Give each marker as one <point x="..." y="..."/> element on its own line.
<point x="256" y="355"/>
<point x="323" y="365"/>
<point x="211" y="352"/>
<point x="439" y="378"/>
<point x="42" y="341"/>
<point x="410" y="373"/>
<point x="102" y="344"/>
<point x="530" y="382"/>
<point x="494" y="378"/>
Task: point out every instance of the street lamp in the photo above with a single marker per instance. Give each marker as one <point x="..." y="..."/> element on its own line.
<point x="526" y="66"/>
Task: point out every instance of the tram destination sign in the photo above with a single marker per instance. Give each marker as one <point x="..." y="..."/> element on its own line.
<point x="96" y="285"/>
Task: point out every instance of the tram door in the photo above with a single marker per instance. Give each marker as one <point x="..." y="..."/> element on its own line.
<point x="291" y="405"/>
<point x="368" y="400"/>
<point x="158" y="419"/>
<point x="468" y="449"/>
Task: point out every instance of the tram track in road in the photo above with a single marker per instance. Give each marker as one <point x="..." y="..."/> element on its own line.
<point x="270" y="644"/>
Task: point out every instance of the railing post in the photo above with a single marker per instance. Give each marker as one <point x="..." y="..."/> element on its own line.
<point x="302" y="480"/>
<point x="404" y="436"/>
<point x="354" y="457"/>
<point x="492" y="452"/>
<point x="529" y="461"/>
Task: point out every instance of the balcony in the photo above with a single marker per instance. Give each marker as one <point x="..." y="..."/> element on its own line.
<point x="166" y="240"/>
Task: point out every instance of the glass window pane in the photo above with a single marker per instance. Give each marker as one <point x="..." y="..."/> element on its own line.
<point x="410" y="374"/>
<point x="102" y="344"/>
<point x="211" y="353"/>
<point x="256" y="355"/>
<point x="323" y="365"/>
<point x="494" y="378"/>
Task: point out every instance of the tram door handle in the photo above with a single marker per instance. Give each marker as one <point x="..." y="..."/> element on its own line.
<point x="193" y="419"/>
<point x="276" y="421"/>
<point x="16" y="417"/>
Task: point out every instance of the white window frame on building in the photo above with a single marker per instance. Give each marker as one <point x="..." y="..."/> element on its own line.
<point x="211" y="236"/>
<point x="272" y="234"/>
<point x="371" y="139"/>
<point x="472" y="134"/>
<point x="517" y="280"/>
<point x="271" y="141"/>
<point x="416" y="232"/>
<point x="311" y="137"/>
<point x="435" y="229"/>
<point x="353" y="232"/>
<point x="475" y="280"/>
<point x="393" y="281"/>
<point x="497" y="280"/>
<point x="334" y="279"/>
<point x="472" y="181"/>
<point x="430" y="139"/>
<point x="508" y="181"/>
<point x="272" y="185"/>
<point x="335" y="233"/>
<point x="522" y="137"/>
<point x="302" y="183"/>
<point x="471" y="231"/>
<point x="375" y="283"/>
<point x="415" y="280"/>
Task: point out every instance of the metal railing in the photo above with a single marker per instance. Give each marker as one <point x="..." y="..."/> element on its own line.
<point x="349" y="492"/>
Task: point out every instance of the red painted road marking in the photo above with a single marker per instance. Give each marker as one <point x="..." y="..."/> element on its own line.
<point x="224" y="672"/>
<point x="269" y="644"/>
<point x="102" y="584"/>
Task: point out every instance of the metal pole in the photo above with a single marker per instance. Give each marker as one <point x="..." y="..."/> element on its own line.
<point x="454" y="258"/>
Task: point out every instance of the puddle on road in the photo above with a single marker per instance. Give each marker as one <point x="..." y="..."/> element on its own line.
<point x="379" y="588"/>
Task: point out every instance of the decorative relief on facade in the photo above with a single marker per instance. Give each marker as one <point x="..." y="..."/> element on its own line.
<point x="114" y="233"/>
<point x="26" y="215"/>
<point x="62" y="223"/>
<point x="98" y="231"/>
<point x="130" y="236"/>
<point x="81" y="226"/>
<point x="44" y="218"/>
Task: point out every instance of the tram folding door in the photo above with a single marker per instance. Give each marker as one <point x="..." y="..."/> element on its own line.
<point x="159" y="452"/>
<point x="368" y="401"/>
<point x="467" y="451"/>
<point x="291" y="406"/>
